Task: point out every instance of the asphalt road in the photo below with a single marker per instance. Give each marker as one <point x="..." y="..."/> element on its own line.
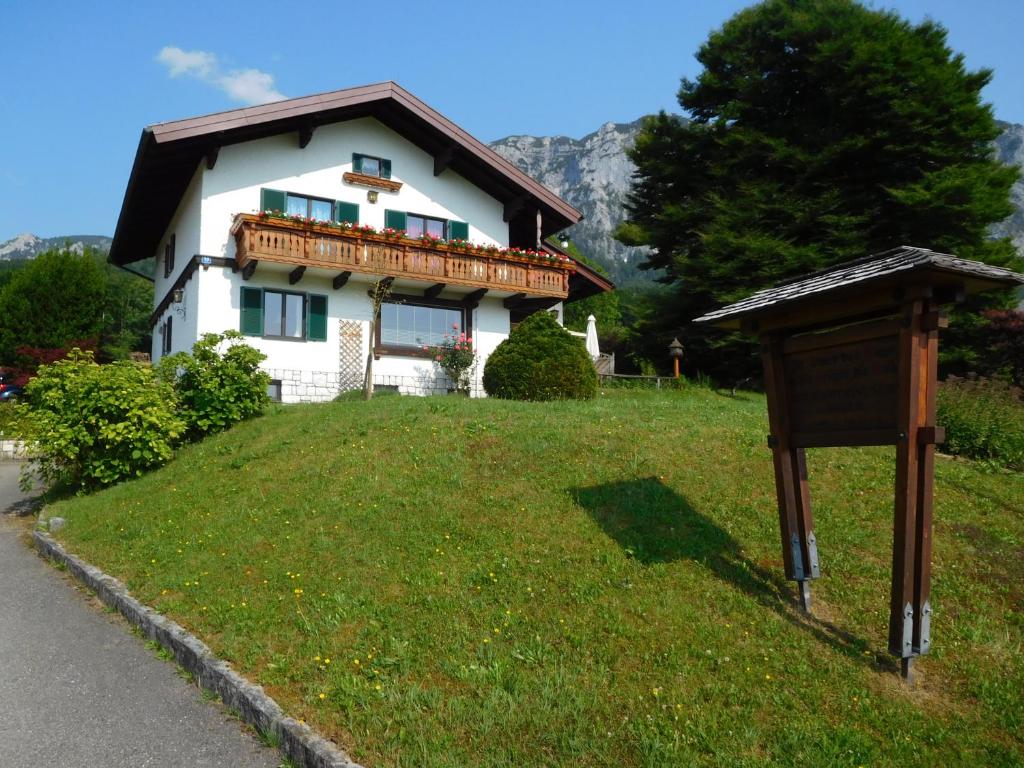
<point x="78" y="689"/>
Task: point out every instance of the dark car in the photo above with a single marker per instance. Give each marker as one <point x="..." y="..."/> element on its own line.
<point x="8" y="389"/>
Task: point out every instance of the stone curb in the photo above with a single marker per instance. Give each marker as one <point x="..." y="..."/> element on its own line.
<point x="297" y="741"/>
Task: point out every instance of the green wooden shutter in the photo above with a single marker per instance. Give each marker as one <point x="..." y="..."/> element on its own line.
<point x="385" y="169"/>
<point x="458" y="230"/>
<point x="394" y="219"/>
<point x="252" y="311"/>
<point x="346" y="212"/>
<point x="316" y="318"/>
<point x="273" y="200"/>
<point x="357" y="163"/>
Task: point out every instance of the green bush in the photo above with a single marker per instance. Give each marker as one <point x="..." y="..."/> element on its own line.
<point x="219" y="384"/>
<point x="90" y="425"/>
<point x="984" y="419"/>
<point x="540" y="360"/>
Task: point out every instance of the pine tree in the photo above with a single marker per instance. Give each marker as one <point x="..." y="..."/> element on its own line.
<point x="818" y="131"/>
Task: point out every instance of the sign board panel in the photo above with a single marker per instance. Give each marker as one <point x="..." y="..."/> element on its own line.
<point x="843" y="393"/>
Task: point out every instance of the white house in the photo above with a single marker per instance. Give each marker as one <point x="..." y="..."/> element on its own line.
<point x="276" y="220"/>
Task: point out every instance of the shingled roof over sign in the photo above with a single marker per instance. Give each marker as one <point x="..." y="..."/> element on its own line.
<point x="169" y="153"/>
<point x="893" y="265"/>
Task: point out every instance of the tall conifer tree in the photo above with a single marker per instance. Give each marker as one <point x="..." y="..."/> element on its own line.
<point x="819" y="131"/>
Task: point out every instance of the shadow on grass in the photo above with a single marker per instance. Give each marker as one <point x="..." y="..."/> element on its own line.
<point x="654" y="524"/>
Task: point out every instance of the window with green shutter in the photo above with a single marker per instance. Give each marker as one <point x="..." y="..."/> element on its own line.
<point x="273" y="200"/>
<point x="316" y="318"/>
<point x="368" y="165"/>
<point x="346" y="212"/>
<point x="458" y="230"/>
<point x="252" y="311"/>
<point x="395" y="219"/>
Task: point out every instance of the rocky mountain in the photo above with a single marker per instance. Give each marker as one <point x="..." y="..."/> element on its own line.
<point x="1010" y="149"/>
<point x="594" y="173"/>
<point x="28" y="246"/>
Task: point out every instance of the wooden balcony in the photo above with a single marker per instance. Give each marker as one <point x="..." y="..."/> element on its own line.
<point x="346" y="250"/>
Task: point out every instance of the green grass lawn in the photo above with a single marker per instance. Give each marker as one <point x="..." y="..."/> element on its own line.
<point x="453" y="582"/>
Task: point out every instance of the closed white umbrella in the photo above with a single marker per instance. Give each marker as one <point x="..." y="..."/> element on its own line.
<point x="592" y="348"/>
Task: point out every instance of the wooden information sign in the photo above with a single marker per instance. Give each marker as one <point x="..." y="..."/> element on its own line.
<point x="850" y="358"/>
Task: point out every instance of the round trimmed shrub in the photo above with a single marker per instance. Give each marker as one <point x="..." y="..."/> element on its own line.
<point x="540" y="360"/>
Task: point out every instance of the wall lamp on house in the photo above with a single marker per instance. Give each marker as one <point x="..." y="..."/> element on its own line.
<point x="178" y="299"/>
<point x="371" y="196"/>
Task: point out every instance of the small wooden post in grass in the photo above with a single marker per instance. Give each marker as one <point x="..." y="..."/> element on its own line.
<point x="850" y="358"/>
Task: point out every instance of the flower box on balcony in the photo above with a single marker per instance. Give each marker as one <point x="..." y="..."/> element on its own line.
<point x="296" y="240"/>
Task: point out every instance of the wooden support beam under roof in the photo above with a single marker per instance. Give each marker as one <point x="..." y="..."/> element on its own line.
<point x="249" y="268"/>
<point x="340" y="279"/>
<point x="443" y="159"/>
<point x="514" y="300"/>
<point x="211" y="157"/>
<point x="434" y="291"/>
<point x="472" y="299"/>
<point x="305" y="135"/>
<point x="296" y="274"/>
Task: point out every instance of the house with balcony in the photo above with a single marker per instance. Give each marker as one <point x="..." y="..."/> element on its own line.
<point x="278" y="220"/>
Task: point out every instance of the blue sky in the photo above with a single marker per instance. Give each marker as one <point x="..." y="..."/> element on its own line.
<point x="82" y="79"/>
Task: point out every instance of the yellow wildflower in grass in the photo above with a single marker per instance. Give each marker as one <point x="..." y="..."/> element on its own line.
<point x="323" y="696"/>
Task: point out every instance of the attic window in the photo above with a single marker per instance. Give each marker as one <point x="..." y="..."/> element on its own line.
<point x="368" y="165"/>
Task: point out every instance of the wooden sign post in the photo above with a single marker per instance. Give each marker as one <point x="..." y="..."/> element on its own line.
<point x="850" y="358"/>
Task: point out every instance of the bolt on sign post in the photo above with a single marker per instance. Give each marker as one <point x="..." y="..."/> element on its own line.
<point x="850" y="358"/>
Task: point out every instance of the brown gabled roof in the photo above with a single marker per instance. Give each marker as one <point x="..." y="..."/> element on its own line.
<point x="169" y="153"/>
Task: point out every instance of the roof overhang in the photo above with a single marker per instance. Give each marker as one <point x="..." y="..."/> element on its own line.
<point x="169" y="153"/>
<point x="585" y="281"/>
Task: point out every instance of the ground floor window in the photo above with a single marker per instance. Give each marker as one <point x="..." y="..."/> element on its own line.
<point x="408" y="324"/>
<point x="274" y="390"/>
<point x="276" y="314"/>
<point x="165" y="333"/>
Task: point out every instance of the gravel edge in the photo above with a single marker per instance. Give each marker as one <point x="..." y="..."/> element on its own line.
<point x="297" y="741"/>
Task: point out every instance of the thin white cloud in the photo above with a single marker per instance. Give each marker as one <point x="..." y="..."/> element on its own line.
<point x="249" y="86"/>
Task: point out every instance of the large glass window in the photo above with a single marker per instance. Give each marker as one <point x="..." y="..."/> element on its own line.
<point x="412" y="325"/>
<point x="284" y="314"/>
<point x="310" y="207"/>
<point x="417" y="226"/>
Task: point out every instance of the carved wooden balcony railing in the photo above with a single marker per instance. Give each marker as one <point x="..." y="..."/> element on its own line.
<point x="322" y="245"/>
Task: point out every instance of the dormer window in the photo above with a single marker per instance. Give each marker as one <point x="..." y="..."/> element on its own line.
<point x="368" y="165"/>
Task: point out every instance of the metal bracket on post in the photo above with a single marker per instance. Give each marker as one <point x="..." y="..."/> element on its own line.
<point x="926" y="628"/>
<point x="908" y="630"/>
<point x="812" y="551"/>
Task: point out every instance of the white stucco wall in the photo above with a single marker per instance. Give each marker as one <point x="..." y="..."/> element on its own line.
<point x="185" y="225"/>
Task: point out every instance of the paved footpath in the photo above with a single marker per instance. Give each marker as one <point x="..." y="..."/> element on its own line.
<point x="78" y="689"/>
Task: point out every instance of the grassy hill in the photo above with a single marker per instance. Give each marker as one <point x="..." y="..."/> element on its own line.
<point x="447" y="582"/>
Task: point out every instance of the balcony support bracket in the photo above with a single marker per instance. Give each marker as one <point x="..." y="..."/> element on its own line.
<point x="434" y="291"/>
<point x="296" y="274"/>
<point x="249" y="269"/>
